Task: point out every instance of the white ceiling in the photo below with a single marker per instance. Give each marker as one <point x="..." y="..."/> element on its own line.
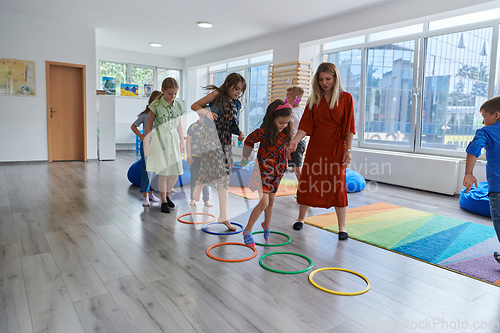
<point x="132" y="25"/>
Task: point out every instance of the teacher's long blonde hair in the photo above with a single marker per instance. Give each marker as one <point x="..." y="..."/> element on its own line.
<point x="317" y="91"/>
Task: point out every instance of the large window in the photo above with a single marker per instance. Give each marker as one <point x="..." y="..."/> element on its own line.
<point x="257" y="95"/>
<point x="148" y="78"/>
<point x="419" y="93"/>
<point x="117" y="71"/>
<point x="388" y="101"/>
<point x="456" y="75"/>
<point x="143" y="76"/>
<point x="349" y="65"/>
<point x="255" y="70"/>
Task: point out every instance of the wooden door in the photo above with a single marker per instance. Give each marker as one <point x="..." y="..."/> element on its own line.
<point x="66" y="112"/>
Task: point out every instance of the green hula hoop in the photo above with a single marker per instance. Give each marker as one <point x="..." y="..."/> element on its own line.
<point x="286" y="272"/>
<point x="273" y="232"/>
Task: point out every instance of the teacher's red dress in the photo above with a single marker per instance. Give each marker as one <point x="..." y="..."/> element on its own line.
<point x="322" y="181"/>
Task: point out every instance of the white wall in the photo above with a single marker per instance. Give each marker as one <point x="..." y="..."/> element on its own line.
<point x="24" y="119"/>
<point x="109" y="54"/>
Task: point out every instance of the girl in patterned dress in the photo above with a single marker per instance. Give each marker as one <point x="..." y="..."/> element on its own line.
<point x="221" y="108"/>
<point x="164" y="151"/>
<point x="273" y="135"/>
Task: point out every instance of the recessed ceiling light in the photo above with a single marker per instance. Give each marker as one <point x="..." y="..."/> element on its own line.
<point x="155" y="44"/>
<point x="205" y="25"/>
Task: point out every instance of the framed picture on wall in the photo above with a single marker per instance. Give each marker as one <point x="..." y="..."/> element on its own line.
<point x="17" y="77"/>
<point x="148" y="89"/>
<point x="129" y="90"/>
<point x="109" y="85"/>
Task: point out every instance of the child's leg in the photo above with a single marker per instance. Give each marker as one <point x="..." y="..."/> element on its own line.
<point x="197" y="190"/>
<point x="206" y="194"/>
<point x="162" y="184"/>
<point x="195" y="167"/>
<point x="223" y="198"/>
<point x="297" y="170"/>
<point x="171" y="182"/>
<point x="257" y="211"/>
<point x="144" y="174"/>
<point x="495" y="211"/>
<point x="268" y="212"/>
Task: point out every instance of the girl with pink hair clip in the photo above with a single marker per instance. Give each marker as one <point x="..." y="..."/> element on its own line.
<point x="273" y="135"/>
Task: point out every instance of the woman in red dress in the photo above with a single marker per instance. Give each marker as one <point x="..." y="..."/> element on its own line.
<point x="329" y="121"/>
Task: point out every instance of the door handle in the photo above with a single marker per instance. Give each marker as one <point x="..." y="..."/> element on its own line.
<point x="51" y="112"/>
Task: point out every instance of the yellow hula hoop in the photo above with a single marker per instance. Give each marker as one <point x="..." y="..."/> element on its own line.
<point x="368" y="284"/>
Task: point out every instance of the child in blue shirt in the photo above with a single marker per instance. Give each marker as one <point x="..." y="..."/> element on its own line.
<point x="487" y="137"/>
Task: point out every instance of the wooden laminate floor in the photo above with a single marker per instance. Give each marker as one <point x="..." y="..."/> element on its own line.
<point x="79" y="253"/>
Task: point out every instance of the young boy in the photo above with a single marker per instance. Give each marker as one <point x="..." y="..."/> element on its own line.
<point x="489" y="138"/>
<point x="294" y="95"/>
<point x="193" y="158"/>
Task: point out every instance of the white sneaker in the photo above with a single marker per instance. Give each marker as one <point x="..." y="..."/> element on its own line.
<point x="153" y="198"/>
<point x="145" y="202"/>
<point x="173" y="191"/>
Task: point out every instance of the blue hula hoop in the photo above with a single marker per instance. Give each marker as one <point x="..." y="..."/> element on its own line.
<point x="222" y="233"/>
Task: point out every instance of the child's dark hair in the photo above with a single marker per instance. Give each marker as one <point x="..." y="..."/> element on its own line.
<point x="492" y="105"/>
<point x="154" y="96"/>
<point x="270" y="130"/>
<point x="231" y="80"/>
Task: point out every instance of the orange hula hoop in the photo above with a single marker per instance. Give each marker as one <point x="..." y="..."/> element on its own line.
<point x="187" y="222"/>
<point x="232" y="260"/>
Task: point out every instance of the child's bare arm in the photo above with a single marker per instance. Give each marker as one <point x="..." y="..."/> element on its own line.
<point x="136" y="132"/>
<point x="469" y="178"/>
<point x="199" y="105"/>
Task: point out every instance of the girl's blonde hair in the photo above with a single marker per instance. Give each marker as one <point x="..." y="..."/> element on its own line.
<point x="154" y="96"/>
<point x="168" y="83"/>
<point x="317" y="91"/>
<point x="297" y="89"/>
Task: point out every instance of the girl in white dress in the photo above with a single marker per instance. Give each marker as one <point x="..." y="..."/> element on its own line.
<point x="165" y="148"/>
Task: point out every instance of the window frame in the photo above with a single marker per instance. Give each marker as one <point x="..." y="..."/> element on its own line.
<point x="418" y="81"/>
<point x="246" y="97"/>
<point x="156" y="84"/>
<point x="491" y="83"/>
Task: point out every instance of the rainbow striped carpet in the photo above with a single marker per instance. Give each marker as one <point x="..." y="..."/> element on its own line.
<point x="461" y="246"/>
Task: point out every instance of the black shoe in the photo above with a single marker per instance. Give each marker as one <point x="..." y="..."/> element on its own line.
<point x="496" y="255"/>
<point x="164" y="207"/>
<point x="298" y="225"/>
<point x="343" y="235"/>
<point x="170" y="203"/>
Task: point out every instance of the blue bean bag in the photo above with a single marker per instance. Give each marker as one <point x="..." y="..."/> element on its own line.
<point x="477" y="200"/>
<point x="241" y="176"/>
<point x="134" y="175"/>
<point x="185" y="178"/>
<point x="355" y="182"/>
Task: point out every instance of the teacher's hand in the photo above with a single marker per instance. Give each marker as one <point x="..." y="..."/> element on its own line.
<point x="347" y="158"/>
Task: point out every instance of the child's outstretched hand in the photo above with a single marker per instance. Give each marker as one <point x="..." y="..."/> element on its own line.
<point x="469" y="180"/>
<point x="244" y="163"/>
<point x="211" y="115"/>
